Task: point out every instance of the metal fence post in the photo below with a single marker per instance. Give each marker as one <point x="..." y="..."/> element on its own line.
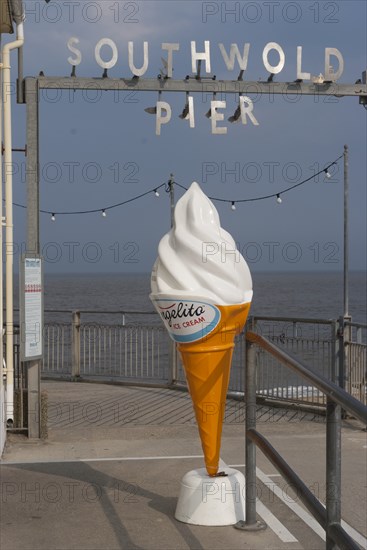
<point x="333" y="468"/>
<point x="335" y="357"/>
<point x="341" y="354"/>
<point x="75" y="350"/>
<point x="251" y="325"/>
<point x="250" y="524"/>
<point x="172" y="372"/>
<point x="347" y="332"/>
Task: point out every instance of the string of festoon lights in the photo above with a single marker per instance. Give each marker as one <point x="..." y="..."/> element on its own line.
<point x="167" y="186"/>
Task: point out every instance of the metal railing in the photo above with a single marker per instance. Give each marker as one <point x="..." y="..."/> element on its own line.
<point x="323" y="344"/>
<point x="355" y="336"/>
<point x="20" y="385"/>
<point x="129" y="353"/>
<point x="314" y="341"/>
<point x="133" y="347"/>
<point x="57" y="348"/>
<point x="337" y="398"/>
<point x="106" y="348"/>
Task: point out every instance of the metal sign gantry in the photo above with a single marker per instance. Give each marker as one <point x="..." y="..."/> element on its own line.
<point x="205" y="85"/>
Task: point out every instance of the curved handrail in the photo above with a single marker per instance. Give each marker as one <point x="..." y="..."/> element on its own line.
<point x="337" y="394"/>
<point x="337" y="398"/>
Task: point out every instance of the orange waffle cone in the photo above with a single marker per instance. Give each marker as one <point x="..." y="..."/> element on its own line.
<point x="207" y="365"/>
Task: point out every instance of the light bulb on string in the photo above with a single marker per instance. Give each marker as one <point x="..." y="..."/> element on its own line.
<point x="327" y="173"/>
<point x="167" y="188"/>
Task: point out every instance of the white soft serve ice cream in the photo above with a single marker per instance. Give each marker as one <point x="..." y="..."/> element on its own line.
<point x="198" y="257"/>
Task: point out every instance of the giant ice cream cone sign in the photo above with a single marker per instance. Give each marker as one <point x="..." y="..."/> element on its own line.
<point x="202" y="289"/>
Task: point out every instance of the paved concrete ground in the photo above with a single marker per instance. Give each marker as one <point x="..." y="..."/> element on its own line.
<point x="108" y="476"/>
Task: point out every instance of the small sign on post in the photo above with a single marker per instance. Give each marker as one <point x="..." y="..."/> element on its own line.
<point x="31" y="307"/>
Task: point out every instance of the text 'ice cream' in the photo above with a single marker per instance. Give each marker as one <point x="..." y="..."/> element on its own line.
<point x="202" y="289"/>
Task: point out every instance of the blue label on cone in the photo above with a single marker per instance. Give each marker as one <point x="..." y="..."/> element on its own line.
<point x="187" y="320"/>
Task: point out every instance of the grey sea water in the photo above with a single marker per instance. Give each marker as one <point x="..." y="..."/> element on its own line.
<point x="302" y="294"/>
<point x="285" y="295"/>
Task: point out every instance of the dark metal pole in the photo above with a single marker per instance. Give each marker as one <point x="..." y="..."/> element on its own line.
<point x="333" y="468"/>
<point x="173" y="347"/>
<point x="346" y="232"/>
<point x="32" y="170"/>
<point x="251" y="524"/>
<point x="347" y="330"/>
<point x="250" y="446"/>
<point x="20" y="91"/>
<point x="172" y="197"/>
<point x="340" y="380"/>
<point x="335" y="359"/>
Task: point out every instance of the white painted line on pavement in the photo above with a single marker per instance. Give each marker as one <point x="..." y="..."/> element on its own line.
<point x="362" y="541"/>
<point x="307" y="518"/>
<point x="296" y="508"/>
<point x="275" y="525"/>
<point x="140" y="458"/>
<point x="107" y="459"/>
<point x="303" y="514"/>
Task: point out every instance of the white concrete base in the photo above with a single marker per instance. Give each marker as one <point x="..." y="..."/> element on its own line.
<point x="214" y="501"/>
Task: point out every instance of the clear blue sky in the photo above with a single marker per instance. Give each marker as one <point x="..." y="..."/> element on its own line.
<point x="110" y="139"/>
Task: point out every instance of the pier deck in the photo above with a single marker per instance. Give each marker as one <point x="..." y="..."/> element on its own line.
<point x="108" y="475"/>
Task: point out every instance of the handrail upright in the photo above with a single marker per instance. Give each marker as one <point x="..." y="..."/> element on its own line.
<point x="329" y="519"/>
<point x="250" y="523"/>
<point x="333" y="468"/>
<point x="250" y="446"/>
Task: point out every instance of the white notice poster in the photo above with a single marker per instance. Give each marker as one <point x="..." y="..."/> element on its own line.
<point x="32" y="319"/>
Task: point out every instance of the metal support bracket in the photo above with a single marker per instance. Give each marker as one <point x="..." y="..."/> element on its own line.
<point x="243" y="526"/>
